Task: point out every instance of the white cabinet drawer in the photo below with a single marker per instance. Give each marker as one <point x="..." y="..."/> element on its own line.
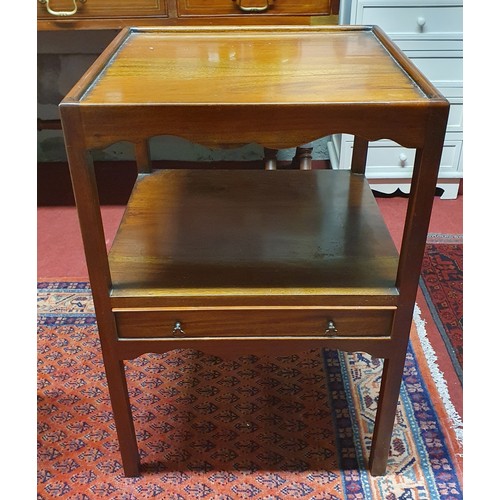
<point x="456" y="116"/>
<point x="455" y="98"/>
<point x="408" y="45"/>
<point x="387" y="157"/>
<point x="418" y="19"/>
<point x="444" y="69"/>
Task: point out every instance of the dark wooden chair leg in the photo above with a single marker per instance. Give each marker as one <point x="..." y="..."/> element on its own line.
<point x="386" y="412"/>
<point x="270" y="161"/>
<point x="120" y="403"/>
<point x="303" y="157"/>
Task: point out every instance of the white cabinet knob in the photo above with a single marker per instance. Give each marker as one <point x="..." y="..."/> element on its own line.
<point x="402" y="159"/>
<point x="421" y="21"/>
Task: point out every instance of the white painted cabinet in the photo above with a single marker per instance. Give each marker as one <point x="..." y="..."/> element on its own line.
<point x="430" y="32"/>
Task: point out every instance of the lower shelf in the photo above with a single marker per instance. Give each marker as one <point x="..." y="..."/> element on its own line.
<point x="232" y="238"/>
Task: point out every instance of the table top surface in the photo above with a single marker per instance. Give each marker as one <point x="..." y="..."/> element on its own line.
<point x="252" y="66"/>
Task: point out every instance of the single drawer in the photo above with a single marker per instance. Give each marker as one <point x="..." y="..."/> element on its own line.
<point x="442" y="68"/>
<point x="251" y="322"/>
<point x="456" y="117"/>
<point x="388" y="157"/>
<point x="100" y="8"/>
<point x="419" y="43"/>
<point x="400" y="18"/>
<point x="249" y="7"/>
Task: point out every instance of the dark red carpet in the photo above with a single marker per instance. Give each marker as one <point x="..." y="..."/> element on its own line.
<point x="442" y="286"/>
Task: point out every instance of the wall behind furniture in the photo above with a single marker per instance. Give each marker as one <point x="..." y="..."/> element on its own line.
<point x="63" y="57"/>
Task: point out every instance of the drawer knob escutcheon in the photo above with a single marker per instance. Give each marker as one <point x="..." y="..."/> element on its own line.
<point x="177" y="331"/>
<point x="331" y="329"/>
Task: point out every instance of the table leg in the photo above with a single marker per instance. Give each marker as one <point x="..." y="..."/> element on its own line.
<point x="120" y="402"/>
<point x="359" y="155"/>
<point x="87" y="203"/>
<point x="418" y="216"/>
<point x="142" y="157"/>
<point x="386" y="412"/>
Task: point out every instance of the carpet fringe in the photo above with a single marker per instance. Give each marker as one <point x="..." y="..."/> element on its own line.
<point x="437" y="374"/>
<point x="456" y="239"/>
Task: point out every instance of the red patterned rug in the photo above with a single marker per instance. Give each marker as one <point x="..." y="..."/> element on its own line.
<point x="264" y="428"/>
<point x="442" y="285"/>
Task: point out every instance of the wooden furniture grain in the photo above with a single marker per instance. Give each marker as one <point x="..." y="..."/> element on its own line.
<point x="71" y="15"/>
<point x="117" y="14"/>
<point x="234" y="262"/>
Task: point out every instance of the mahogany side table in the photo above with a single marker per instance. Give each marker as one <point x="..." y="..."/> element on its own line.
<point x="234" y="262"/>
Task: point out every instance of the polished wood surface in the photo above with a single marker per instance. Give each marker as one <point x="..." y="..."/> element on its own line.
<point x="103" y="8"/>
<point x="256" y="7"/>
<point x="257" y="233"/>
<point x="275" y="68"/>
<point x="118" y="14"/>
<point x="235" y="262"/>
<point x="319" y="94"/>
<point x="254" y="322"/>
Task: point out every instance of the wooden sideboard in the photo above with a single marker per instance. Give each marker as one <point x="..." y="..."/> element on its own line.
<point x="116" y="14"/>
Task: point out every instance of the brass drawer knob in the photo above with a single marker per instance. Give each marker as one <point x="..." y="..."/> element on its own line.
<point x="331" y="329"/>
<point x="177" y="331"/>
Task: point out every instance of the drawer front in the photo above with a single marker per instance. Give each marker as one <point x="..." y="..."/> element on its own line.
<point x="456" y="116"/>
<point x="407" y="45"/>
<point x="103" y="8"/>
<point x="387" y="157"/>
<point x="252" y="7"/>
<point x="442" y="68"/>
<point x="431" y="19"/>
<point x="254" y="323"/>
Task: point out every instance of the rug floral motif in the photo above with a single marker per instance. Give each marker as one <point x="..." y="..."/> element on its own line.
<point x="253" y="427"/>
<point x="442" y="285"/>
